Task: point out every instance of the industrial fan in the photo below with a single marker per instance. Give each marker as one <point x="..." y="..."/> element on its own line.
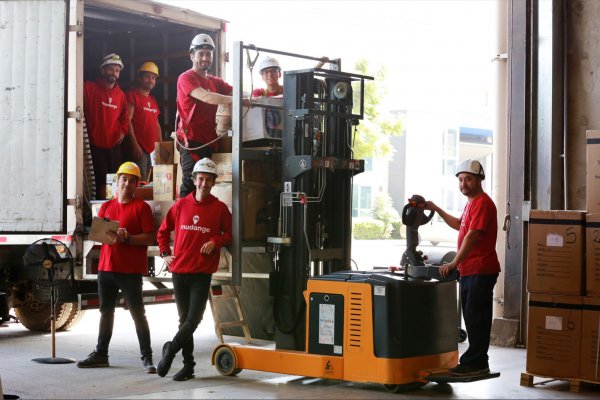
<point x="51" y="263"/>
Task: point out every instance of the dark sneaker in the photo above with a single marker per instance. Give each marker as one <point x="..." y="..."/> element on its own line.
<point x="149" y="367"/>
<point x="94" y="360"/>
<point x="187" y="372"/>
<point x="468" y="370"/>
<point x="167" y="359"/>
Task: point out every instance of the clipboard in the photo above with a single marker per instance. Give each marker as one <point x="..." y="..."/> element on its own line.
<point x="99" y="227"/>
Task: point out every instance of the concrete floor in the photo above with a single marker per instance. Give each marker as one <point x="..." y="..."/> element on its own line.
<point x="125" y="378"/>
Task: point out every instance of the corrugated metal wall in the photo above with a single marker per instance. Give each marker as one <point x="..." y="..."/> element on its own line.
<point x="32" y="115"/>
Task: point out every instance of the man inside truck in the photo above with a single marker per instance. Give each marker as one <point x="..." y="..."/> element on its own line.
<point x="105" y="110"/>
<point x="142" y="111"/>
<point x="123" y="262"/>
<point x="198" y="94"/>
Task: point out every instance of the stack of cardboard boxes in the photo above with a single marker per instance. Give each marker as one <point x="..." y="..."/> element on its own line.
<point x="164" y="172"/>
<point x="563" y="281"/>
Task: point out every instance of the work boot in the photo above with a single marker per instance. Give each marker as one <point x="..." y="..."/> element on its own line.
<point x="468" y="370"/>
<point x="167" y="359"/>
<point x="94" y="360"/>
<point x="149" y="367"/>
<point x="185" y="373"/>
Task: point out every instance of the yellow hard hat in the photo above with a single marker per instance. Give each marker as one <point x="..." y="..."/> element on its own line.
<point x="130" y="168"/>
<point x="149" y="66"/>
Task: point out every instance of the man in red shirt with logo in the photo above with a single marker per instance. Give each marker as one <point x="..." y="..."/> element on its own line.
<point x="122" y="263"/>
<point x="198" y="94"/>
<point x="143" y="112"/>
<point x="477" y="263"/>
<point x="105" y="110"/>
<point x="202" y="225"/>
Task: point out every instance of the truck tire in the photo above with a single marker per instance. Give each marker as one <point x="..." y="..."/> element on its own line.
<point x="73" y="318"/>
<point x="35" y="316"/>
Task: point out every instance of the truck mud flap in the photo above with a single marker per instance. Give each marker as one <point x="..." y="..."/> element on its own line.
<point x="90" y="301"/>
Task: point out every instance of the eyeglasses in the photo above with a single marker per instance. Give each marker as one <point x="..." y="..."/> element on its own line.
<point x="270" y="71"/>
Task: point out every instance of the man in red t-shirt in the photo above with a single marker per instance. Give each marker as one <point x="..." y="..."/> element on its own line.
<point x="202" y="225"/>
<point x="198" y="94"/>
<point x="143" y="112"/>
<point x="270" y="71"/>
<point x="123" y="261"/>
<point x="105" y="110"/>
<point x="477" y="263"/>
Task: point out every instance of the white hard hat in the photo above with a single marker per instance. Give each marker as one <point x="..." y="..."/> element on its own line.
<point x="268" y="62"/>
<point x="202" y="41"/>
<point x="111" y="58"/>
<point x="205" y="165"/>
<point x="471" y="166"/>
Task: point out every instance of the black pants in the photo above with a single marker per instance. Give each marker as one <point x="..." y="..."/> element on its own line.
<point x="105" y="161"/>
<point x="476" y="295"/>
<point x="191" y="295"/>
<point x="187" y="165"/>
<point x="109" y="284"/>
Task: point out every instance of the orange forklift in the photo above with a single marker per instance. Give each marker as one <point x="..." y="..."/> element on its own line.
<point x="332" y="322"/>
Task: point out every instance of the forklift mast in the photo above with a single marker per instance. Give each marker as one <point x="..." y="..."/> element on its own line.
<point x="315" y="210"/>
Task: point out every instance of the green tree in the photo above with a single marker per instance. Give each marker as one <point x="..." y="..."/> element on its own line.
<point x="373" y="134"/>
<point x="384" y="211"/>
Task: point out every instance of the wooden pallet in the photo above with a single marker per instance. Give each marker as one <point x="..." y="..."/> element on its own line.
<point x="575" y="384"/>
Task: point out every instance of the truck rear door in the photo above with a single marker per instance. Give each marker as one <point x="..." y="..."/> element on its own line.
<point x="33" y="44"/>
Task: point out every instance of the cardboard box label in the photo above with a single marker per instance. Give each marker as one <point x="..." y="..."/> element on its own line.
<point x="554" y="323"/>
<point x="164" y="182"/>
<point x="554" y="240"/>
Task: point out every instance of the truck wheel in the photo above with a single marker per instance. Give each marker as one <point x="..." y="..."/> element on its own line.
<point x="225" y="361"/>
<point x="35" y="316"/>
<point x="73" y="318"/>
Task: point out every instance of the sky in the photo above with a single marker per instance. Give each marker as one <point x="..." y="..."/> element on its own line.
<point x="437" y="53"/>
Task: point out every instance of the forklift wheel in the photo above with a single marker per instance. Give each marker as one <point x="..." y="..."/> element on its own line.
<point x="462" y="335"/>
<point x="225" y="361"/>
<point x="405" y="387"/>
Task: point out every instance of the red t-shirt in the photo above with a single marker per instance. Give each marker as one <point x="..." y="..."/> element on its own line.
<point x="195" y="223"/>
<point x="136" y="217"/>
<point x="262" y="92"/>
<point x="145" y="119"/>
<point x="105" y="113"/>
<point x="480" y="214"/>
<point x="202" y="123"/>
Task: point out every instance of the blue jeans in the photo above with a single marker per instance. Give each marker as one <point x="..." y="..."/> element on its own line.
<point x="476" y="295"/>
<point x="109" y="284"/>
<point x="191" y="295"/>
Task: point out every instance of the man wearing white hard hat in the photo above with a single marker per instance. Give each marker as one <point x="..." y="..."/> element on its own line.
<point x="270" y="71"/>
<point x="198" y="94"/>
<point x="143" y="112"/>
<point x="202" y="225"/>
<point x="105" y="111"/>
<point x="477" y="263"/>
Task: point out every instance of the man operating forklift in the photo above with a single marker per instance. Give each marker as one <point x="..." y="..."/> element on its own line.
<point x="477" y="264"/>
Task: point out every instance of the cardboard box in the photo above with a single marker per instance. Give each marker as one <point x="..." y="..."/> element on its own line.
<point x="555" y="253"/>
<point x="593" y="171"/>
<point x="590" y="339"/>
<point x="159" y="211"/>
<point x="111" y="186"/>
<point x="263" y="123"/>
<point x="224" y="166"/>
<point x="254" y="204"/>
<point x="145" y="192"/>
<point x="164" y="153"/>
<point x="592" y="255"/>
<point x="554" y="335"/>
<point x="164" y="179"/>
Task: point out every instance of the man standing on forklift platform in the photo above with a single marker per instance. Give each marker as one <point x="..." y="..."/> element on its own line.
<point x="202" y="225"/>
<point x="198" y="94"/>
<point x="142" y="112"/>
<point x="105" y="110"/>
<point x="123" y="262"/>
<point x="477" y="263"/>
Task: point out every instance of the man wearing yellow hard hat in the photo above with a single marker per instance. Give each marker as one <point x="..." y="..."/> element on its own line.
<point x="143" y="112"/>
<point x="122" y="264"/>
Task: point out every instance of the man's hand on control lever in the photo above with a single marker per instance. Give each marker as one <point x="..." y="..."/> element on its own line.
<point x="446" y="269"/>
